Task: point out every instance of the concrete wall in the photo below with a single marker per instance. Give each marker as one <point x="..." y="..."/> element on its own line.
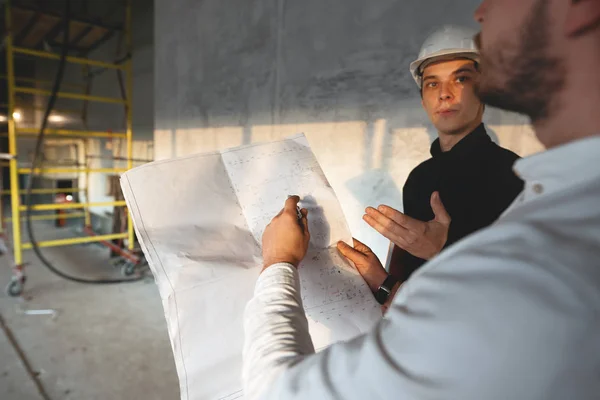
<point x="245" y="71"/>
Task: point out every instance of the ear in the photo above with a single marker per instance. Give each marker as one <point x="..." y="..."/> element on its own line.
<point x="582" y="16"/>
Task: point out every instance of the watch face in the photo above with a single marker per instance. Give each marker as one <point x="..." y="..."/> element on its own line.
<point x="385" y="289"/>
<point x="381" y="295"/>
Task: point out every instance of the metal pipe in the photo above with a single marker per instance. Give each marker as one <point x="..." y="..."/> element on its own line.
<point x="49" y="217"/>
<point x="119" y="158"/>
<point x="25" y="171"/>
<point x="67" y="206"/>
<point x="71" y="132"/>
<point x="128" y="66"/>
<point x="35" y="108"/>
<point x="47" y="191"/>
<point x="43" y="81"/>
<point x="67" y="95"/>
<point x="79" y="240"/>
<point x="12" y="139"/>
<point x="77" y="60"/>
<point x="114" y="247"/>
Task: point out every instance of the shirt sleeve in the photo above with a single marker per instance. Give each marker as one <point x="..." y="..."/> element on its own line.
<point x="454" y="331"/>
<point x="276" y="329"/>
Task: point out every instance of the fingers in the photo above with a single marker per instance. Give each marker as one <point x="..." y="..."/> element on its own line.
<point x="304" y="220"/>
<point x="441" y="215"/>
<point x="291" y="203"/>
<point x="360" y="246"/>
<point x="388" y="228"/>
<point x="400" y="218"/>
<point x="353" y="255"/>
<point x="383" y="224"/>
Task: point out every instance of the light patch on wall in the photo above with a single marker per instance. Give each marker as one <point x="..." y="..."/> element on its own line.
<point x="410" y="147"/>
<point x="519" y="138"/>
<point x="366" y="163"/>
<point x="200" y="140"/>
<point x="332" y="142"/>
<point x="377" y="143"/>
<point x="163" y="141"/>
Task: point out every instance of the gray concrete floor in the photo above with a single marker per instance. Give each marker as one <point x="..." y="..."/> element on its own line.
<point x="103" y="342"/>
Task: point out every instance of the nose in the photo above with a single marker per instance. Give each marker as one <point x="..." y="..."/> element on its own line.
<point x="445" y="92"/>
<point x="480" y="12"/>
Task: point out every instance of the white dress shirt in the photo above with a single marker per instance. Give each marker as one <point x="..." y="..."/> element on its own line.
<point x="511" y="312"/>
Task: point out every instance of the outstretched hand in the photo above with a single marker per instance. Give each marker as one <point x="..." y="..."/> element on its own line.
<point x="421" y="239"/>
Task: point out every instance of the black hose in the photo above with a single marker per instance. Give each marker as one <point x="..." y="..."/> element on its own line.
<point x="38" y="151"/>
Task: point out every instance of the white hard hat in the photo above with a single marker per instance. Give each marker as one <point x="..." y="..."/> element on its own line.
<point x="447" y="43"/>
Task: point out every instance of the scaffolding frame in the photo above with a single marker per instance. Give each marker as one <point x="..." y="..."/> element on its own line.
<point x="15" y="132"/>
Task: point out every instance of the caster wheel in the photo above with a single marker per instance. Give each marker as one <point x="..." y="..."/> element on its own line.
<point x="128" y="269"/>
<point x="15" y="287"/>
<point x="118" y="263"/>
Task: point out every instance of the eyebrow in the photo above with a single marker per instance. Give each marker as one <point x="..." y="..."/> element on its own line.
<point x="463" y="69"/>
<point x="458" y="71"/>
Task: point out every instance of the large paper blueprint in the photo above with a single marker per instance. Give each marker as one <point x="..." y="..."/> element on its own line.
<point x="200" y="220"/>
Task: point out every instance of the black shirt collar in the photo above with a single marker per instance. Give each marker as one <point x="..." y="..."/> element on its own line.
<point x="465" y="146"/>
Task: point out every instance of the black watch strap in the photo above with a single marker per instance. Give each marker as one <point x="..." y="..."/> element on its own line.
<point x="385" y="289"/>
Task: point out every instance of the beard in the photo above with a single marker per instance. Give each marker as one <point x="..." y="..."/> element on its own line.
<point x="528" y="79"/>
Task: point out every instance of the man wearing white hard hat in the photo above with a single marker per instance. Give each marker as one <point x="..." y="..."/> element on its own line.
<point x="466" y="184"/>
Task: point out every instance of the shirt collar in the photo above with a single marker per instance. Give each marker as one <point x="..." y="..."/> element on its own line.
<point x="465" y="146"/>
<point x="561" y="167"/>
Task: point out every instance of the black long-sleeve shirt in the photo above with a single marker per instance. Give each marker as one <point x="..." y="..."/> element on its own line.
<point x="476" y="184"/>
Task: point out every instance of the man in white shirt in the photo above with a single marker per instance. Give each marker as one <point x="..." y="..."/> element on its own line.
<point x="511" y="312"/>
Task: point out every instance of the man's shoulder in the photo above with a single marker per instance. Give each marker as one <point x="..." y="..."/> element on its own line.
<point x="519" y="260"/>
<point x="502" y="154"/>
<point x="518" y="245"/>
<point x="477" y="291"/>
<point x="421" y="171"/>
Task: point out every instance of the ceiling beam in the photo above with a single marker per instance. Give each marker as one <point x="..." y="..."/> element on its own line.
<point x="85" y="20"/>
<point x="99" y="42"/>
<point x="80" y="36"/>
<point x="25" y="31"/>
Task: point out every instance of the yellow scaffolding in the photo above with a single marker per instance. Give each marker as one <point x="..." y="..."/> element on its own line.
<point x="14" y="132"/>
<point x="71" y="133"/>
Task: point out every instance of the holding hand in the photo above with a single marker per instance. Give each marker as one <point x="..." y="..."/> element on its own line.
<point x="421" y="239"/>
<point x="366" y="262"/>
<point x="286" y="238"/>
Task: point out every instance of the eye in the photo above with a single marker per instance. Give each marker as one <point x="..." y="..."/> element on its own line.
<point x="431" y="84"/>
<point x="462" y="79"/>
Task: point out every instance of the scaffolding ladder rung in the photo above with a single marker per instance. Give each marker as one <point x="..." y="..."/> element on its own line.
<point x="48" y="217"/>
<point x="66" y="206"/>
<point x="24" y="171"/>
<point x="78" y="60"/>
<point x="43" y="81"/>
<point x="67" y="95"/>
<point x="78" y="240"/>
<point x="48" y="191"/>
<point x="70" y="132"/>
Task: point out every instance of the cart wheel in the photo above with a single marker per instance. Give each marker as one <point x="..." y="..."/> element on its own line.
<point x="15" y="287"/>
<point x="118" y="263"/>
<point x="128" y="269"/>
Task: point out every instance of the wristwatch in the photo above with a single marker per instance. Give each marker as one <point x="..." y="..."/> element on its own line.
<point x="385" y="289"/>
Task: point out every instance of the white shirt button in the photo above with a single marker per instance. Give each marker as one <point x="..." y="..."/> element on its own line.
<point x="538" y="188"/>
